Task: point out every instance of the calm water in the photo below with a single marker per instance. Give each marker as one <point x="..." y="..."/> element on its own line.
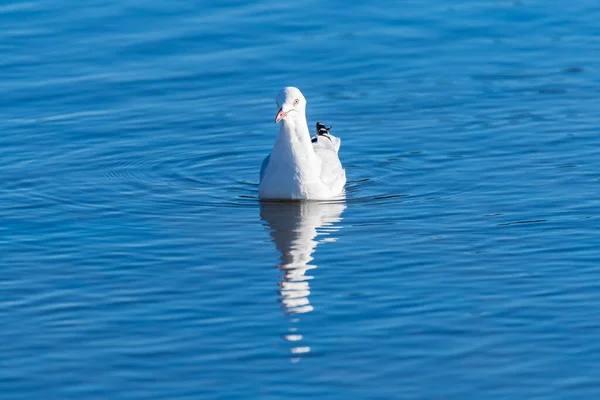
<point x="138" y="263"/>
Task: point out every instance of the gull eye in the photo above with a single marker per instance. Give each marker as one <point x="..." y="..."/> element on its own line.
<point x="296" y="102"/>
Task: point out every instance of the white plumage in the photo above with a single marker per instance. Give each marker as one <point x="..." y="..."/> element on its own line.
<point x="301" y="168"/>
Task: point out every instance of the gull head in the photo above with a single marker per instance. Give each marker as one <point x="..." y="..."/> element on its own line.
<point x="290" y="101"/>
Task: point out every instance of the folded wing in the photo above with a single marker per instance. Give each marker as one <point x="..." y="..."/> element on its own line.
<point x="326" y="146"/>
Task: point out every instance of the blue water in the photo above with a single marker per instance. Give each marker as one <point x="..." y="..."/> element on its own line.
<point x="138" y="263"/>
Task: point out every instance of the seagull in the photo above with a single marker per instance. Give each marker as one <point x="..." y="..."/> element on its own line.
<point x="300" y="167"/>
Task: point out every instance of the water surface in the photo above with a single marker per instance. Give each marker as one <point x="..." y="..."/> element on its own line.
<point x="139" y="263"/>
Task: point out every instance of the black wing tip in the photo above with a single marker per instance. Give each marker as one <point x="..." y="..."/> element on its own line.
<point x="322" y="129"/>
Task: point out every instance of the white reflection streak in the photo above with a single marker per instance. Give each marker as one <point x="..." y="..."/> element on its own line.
<point x="294" y="229"/>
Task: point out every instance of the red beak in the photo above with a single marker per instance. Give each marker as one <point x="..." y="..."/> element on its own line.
<point x="280" y="115"/>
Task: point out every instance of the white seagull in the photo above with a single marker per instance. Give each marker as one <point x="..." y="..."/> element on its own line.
<point x="301" y="168"/>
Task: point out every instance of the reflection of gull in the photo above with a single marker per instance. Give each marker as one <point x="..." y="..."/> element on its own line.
<point x="294" y="230"/>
